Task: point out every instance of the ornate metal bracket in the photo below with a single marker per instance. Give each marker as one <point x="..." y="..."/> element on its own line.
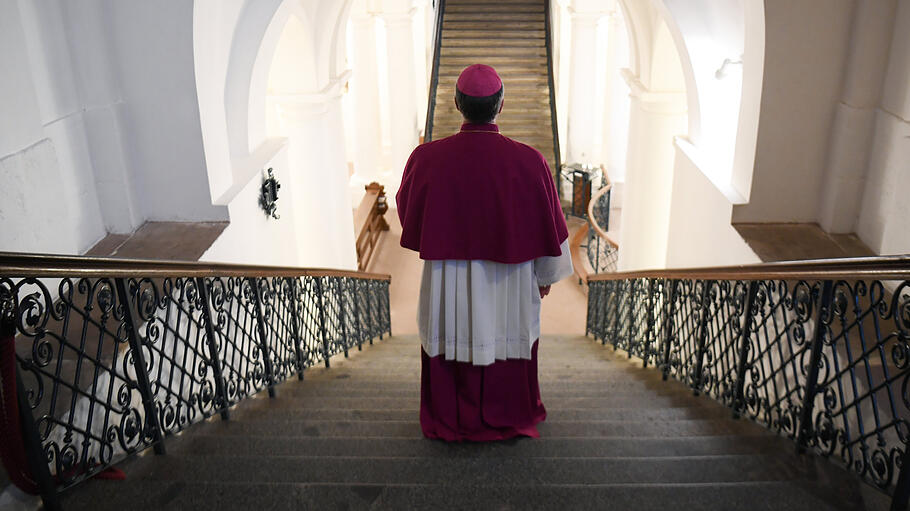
<point x="268" y="195"/>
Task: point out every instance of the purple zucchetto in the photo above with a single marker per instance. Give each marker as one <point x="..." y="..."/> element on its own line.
<point x="479" y="80"/>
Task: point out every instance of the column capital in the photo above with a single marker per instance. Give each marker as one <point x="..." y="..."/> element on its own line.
<point x="665" y="102"/>
<point x="304" y="104"/>
<point x="399" y="18"/>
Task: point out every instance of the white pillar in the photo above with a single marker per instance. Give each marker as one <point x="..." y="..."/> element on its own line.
<point x="585" y="118"/>
<point x="402" y="91"/>
<point x="854" y="118"/>
<point x="365" y="85"/>
<point x="656" y="118"/>
<point x="323" y="213"/>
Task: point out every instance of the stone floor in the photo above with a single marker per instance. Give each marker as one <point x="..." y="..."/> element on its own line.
<point x="795" y="242"/>
<point x="175" y="241"/>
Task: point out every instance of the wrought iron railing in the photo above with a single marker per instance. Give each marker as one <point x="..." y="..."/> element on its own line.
<point x="818" y="352"/>
<point x="113" y="357"/>
<point x="440" y="7"/>
<point x="603" y="252"/>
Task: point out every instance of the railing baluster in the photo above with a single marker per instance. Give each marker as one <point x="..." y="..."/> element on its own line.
<point x="31" y="440"/>
<point x="356" y="302"/>
<point x="142" y="378"/>
<point x="295" y="325"/>
<point x="322" y="329"/>
<point x="344" y="330"/>
<point x="212" y="344"/>
<point x="702" y="336"/>
<point x="901" y="495"/>
<point x="631" y="318"/>
<point x="745" y="336"/>
<point x="668" y="328"/>
<point x="818" y="336"/>
<point x="263" y="339"/>
<point x="646" y="352"/>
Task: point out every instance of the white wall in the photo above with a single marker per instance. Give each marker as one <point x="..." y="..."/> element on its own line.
<point x="883" y="221"/>
<point x="805" y="48"/>
<point x="48" y="201"/>
<point x="700" y="233"/>
<point x="252" y="237"/>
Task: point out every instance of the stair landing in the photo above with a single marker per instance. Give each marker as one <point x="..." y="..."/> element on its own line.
<point x="616" y="437"/>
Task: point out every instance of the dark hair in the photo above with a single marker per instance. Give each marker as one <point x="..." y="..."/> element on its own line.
<point x="479" y="109"/>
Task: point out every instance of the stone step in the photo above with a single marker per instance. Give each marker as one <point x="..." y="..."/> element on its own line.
<point x="411" y="428"/>
<point x="491" y="36"/>
<point x="464" y="471"/>
<point x="288" y="399"/>
<point x="487" y="44"/>
<point x="292" y="412"/>
<point x="751" y="496"/>
<point x="551" y="447"/>
<point x="504" y="62"/>
<point x="494" y="10"/>
<point x="503" y="18"/>
<point x="494" y="27"/>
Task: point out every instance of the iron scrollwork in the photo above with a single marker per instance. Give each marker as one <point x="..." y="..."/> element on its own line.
<point x="824" y="363"/>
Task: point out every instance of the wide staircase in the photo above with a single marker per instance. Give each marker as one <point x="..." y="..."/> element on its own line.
<point x="511" y="36"/>
<point x="616" y="437"/>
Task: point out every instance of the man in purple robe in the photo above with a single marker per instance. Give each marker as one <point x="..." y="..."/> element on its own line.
<point x="482" y="211"/>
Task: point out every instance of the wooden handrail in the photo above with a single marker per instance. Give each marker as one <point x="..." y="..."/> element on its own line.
<point x="369" y="218"/>
<point x="600" y="231"/>
<point x="47" y="265"/>
<point x="578" y="261"/>
<point x="878" y="268"/>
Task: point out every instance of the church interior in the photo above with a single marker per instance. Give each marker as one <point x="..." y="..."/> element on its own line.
<point x="204" y="301"/>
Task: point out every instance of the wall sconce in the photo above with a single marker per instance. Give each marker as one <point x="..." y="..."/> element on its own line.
<point x="268" y="195"/>
<point x="721" y="73"/>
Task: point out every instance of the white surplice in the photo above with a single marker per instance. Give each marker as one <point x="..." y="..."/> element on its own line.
<point x="482" y="311"/>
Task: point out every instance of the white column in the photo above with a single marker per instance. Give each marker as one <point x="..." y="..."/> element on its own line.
<point x="365" y="85"/>
<point x="323" y="213"/>
<point x="854" y="117"/>
<point x="402" y="91"/>
<point x="656" y="118"/>
<point x="585" y="118"/>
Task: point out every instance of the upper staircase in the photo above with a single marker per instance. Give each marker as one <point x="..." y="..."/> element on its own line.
<point x="510" y="36"/>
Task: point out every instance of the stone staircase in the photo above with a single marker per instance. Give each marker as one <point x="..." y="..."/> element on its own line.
<point x="616" y="437"/>
<point x="509" y="35"/>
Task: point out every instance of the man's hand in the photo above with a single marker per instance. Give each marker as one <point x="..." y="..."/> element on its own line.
<point x="544" y="291"/>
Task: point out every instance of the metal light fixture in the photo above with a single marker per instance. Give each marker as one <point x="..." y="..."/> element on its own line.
<point x="721" y="72"/>
<point x="268" y="195"/>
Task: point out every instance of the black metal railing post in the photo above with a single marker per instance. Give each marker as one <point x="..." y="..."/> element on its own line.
<point x="322" y="330"/>
<point x="668" y="329"/>
<point x="631" y="318"/>
<point x="344" y="330"/>
<point x="901" y="495"/>
<point x="34" y="451"/>
<point x="387" y="289"/>
<point x="295" y="325"/>
<point x="263" y="338"/>
<point x="646" y="352"/>
<point x="142" y="378"/>
<point x="702" y="336"/>
<point x="356" y="303"/>
<point x="215" y="358"/>
<point x="818" y="339"/>
<point x="745" y="336"/>
<point x="614" y="332"/>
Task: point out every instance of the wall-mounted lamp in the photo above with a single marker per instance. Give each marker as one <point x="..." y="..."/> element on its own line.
<point x="721" y="73"/>
<point x="268" y="195"/>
